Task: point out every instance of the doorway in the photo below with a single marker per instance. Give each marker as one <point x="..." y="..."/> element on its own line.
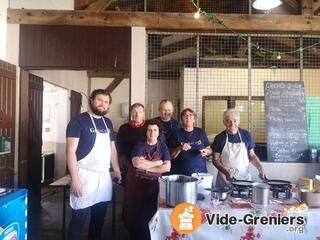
<point x="55" y="120"/>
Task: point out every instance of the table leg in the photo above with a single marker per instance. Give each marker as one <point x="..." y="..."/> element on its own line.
<point x="64" y="212"/>
<point x="113" y="226"/>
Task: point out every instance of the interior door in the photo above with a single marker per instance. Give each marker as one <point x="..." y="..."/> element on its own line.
<point x="35" y="138"/>
<point x="30" y="144"/>
<point x="75" y="103"/>
<point x="7" y="123"/>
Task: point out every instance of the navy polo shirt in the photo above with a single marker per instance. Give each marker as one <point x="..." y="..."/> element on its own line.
<point x="168" y="128"/>
<point x="81" y="127"/>
<point x="141" y="147"/>
<point x="220" y="140"/>
<point x="191" y="161"/>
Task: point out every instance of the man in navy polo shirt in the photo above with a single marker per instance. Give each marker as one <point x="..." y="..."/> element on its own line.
<point x="169" y="124"/>
<point x="233" y="150"/>
<point x="90" y="150"/>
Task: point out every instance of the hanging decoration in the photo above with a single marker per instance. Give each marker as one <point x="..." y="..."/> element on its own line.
<point x="212" y="17"/>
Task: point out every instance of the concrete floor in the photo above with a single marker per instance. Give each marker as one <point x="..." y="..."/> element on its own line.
<point x="47" y="224"/>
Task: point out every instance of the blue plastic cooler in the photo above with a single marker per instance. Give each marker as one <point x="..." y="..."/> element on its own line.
<point x="13" y="214"/>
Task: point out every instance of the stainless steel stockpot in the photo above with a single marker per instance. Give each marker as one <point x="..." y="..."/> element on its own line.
<point x="180" y="188"/>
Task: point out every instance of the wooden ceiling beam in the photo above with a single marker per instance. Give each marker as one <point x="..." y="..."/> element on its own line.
<point x="108" y="74"/>
<point x="99" y="5"/>
<point x="307" y="7"/>
<point x="293" y="4"/>
<point x="166" y="21"/>
<point x="180" y="54"/>
<point x="316" y="7"/>
<point x="113" y="85"/>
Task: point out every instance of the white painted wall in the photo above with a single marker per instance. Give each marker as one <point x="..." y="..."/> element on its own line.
<point x="119" y="95"/>
<point x="158" y="90"/>
<point x="68" y="79"/>
<point x="55" y="119"/>
<point x="138" y="64"/>
<point x="42" y="4"/>
<point x="12" y="44"/>
<point x="3" y="28"/>
<point x="55" y="115"/>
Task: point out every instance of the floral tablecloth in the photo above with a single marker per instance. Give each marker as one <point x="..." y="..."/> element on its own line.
<point x="161" y="228"/>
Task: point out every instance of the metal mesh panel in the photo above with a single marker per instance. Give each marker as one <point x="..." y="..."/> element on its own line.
<point x="268" y="64"/>
<point x="127" y="5"/>
<point x="168" y="55"/>
<point x="212" y="72"/>
<point x="311" y="73"/>
<point x="210" y="6"/>
<point x="222" y="6"/>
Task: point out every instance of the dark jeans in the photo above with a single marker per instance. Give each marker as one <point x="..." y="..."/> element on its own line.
<point x="79" y="217"/>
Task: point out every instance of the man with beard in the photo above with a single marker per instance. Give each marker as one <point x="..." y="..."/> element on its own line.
<point x="170" y="125"/>
<point x="90" y="150"/>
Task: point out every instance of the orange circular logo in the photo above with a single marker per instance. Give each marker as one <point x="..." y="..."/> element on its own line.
<point x="186" y="218"/>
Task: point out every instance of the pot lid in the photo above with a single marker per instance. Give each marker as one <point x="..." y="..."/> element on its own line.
<point x="278" y="182"/>
<point x="242" y="183"/>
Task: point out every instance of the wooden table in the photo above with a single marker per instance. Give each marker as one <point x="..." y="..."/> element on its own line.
<point x="63" y="182"/>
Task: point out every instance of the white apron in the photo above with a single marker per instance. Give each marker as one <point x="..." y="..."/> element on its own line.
<point x="93" y="172"/>
<point x="234" y="156"/>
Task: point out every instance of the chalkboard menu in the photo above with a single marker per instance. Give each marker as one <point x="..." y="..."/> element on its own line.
<point x="286" y="121"/>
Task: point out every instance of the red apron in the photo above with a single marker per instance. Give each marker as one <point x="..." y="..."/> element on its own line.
<point x="140" y="184"/>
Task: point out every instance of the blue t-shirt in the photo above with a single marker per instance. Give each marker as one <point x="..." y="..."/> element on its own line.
<point x="81" y="127"/>
<point x="169" y="128"/>
<point x="142" y="148"/>
<point x="220" y="140"/>
<point x="191" y="161"/>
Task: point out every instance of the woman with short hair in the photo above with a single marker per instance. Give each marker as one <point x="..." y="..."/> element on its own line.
<point x="189" y="146"/>
<point x="150" y="158"/>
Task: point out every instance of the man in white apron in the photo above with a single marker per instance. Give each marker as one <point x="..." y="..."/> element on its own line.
<point x="90" y="150"/>
<point x="233" y="150"/>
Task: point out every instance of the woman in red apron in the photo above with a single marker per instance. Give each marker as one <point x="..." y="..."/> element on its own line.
<point x="149" y="159"/>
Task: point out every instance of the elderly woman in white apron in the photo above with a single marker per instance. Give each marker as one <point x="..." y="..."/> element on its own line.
<point x="233" y="150"/>
<point x="90" y="150"/>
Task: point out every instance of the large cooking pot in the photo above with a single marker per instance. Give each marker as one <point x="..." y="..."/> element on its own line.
<point x="180" y="188"/>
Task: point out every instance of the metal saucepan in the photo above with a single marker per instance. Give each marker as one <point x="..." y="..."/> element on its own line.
<point x="180" y="188"/>
<point x="260" y="193"/>
<point x="219" y="193"/>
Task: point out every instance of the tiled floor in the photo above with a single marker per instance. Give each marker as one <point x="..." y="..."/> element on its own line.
<point x="47" y="224"/>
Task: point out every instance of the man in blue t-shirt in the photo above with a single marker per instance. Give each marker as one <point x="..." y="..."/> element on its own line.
<point x="169" y="124"/>
<point x="233" y="149"/>
<point x="90" y="151"/>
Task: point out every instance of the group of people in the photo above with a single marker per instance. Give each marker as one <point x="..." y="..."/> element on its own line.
<point x="144" y="150"/>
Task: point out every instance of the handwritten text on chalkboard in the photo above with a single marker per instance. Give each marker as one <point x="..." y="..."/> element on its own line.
<point x="286" y="121"/>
